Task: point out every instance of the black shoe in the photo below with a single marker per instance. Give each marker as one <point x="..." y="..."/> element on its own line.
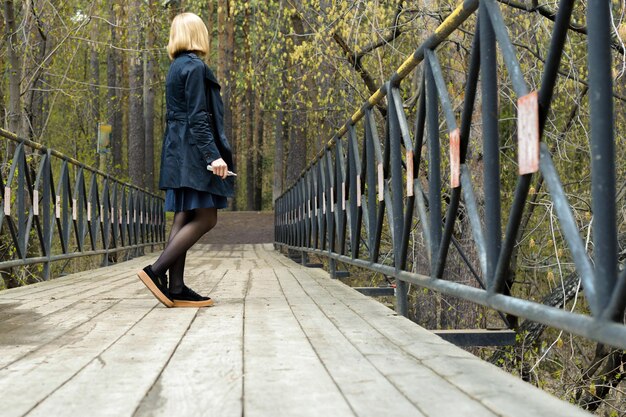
<point x="157" y="284"/>
<point x="189" y="298"/>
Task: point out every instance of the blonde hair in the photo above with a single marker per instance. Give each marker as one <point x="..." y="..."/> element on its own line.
<point x="188" y="33"/>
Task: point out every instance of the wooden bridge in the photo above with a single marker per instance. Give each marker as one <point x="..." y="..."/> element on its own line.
<point x="282" y="340"/>
<point x="286" y="340"/>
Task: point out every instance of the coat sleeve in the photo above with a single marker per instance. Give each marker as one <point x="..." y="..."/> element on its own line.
<point x="198" y="116"/>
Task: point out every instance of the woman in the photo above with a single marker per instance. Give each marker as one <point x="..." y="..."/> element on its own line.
<point x="194" y="142"/>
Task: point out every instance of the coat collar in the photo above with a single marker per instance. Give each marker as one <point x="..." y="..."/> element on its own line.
<point x="208" y="74"/>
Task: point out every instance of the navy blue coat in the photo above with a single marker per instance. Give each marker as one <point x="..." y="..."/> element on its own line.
<point x="194" y="136"/>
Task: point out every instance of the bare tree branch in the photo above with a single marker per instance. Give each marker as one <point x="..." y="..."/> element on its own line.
<point x="395" y="32"/>
<point x="550" y="14"/>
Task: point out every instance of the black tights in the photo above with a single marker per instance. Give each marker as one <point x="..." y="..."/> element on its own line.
<point x="187" y="228"/>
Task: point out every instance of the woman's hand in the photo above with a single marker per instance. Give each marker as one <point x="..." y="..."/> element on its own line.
<point x="220" y="168"/>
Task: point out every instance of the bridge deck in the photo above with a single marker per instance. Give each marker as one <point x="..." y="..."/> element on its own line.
<point x="282" y="340"/>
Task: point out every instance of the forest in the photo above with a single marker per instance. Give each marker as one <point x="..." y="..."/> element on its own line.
<point x="292" y="72"/>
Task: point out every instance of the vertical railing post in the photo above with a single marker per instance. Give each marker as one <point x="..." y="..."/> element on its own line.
<point x="434" y="166"/>
<point x="48" y="223"/>
<point x="105" y="219"/>
<point x="602" y="148"/>
<point x="21" y="203"/>
<point x="491" y="141"/>
<point x="397" y="197"/>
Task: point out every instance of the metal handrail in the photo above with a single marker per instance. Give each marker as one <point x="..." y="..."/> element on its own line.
<point x="343" y="193"/>
<point x="72" y="211"/>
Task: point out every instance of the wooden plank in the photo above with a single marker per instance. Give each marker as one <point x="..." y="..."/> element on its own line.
<point x="429" y="392"/>
<point x="367" y="390"/>
<point x="34" y="331"/>
<point x="283" y="374"/>
<point x="264" y="285"/>
<point x="41" y="372"/>
<point x="204" y="377"/>
<point x="236" y="288"/>
<point x="500" y="391"/>
<point x="114" y="382"/>
<point x="58" y="285"/>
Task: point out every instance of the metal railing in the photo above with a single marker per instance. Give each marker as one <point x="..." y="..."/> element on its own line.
<point x="345" y="192"/>
<point x="56" y="208"/>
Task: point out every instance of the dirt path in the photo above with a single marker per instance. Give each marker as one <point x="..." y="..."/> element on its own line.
<point x="242" y="227"/>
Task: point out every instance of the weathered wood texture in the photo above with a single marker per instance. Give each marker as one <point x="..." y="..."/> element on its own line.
<point x="282" y="340"/>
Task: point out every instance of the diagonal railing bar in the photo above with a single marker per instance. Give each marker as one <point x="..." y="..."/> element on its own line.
<point x="321" y="205"/>
<point x="434" y="165"/>
<point x="389" y="189"/>
<point x="91" y="212"/>
<point x="553" y="60"/>
<point x="306" y="212"/>
<point x="43" y="247"/>
<point x="354" y="199"/>
<point x="506" y="47"/>
<point x="615" y="308"/>
<point x="330" y="200"/>
<point x="56" y="208"/>
<point x="398" y="134"/>
<point x="440" y="83"/>
<point x="340" y="192"/>
<point x="569" y="228"/>
<point x="7" y="194"/>
<point x="423" y="216"/>
<point x="418" y="191"/>
<point x="474" y="217"/>
<point x="375" y="184"/>
<point x="470" y="95"/>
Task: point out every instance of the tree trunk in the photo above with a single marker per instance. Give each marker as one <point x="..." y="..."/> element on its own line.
<point x="297" y="147"/>
<point x="249" y="147"/>
<point x="226" y="40"/>
<point x="175" y="7"/>
<point x="237" y="201"/>
<point x="222" y="16"/>
<point x="3" y="108"/>
<point x="227" y="81"/>
<point x="258" y="160"/>
<point x="280" y="131"/>
<point x="249" y="105"/>
<point x="94" y="64"/>
<point x="14" y="116"/>
<point x="279" y="154"/>
<point x="209" y="25"/>
<point x="598" y="380"/>
<point x="114" y="113"/>
<point x="136" y="121"/>
<point x="36" y="97"/>
<point x="149" y="81"/>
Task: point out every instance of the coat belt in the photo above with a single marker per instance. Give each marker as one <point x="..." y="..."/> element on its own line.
<point x="176" y="115"/>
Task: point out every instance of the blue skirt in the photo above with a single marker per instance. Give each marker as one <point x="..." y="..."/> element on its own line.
<point x="184" y="199"/>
